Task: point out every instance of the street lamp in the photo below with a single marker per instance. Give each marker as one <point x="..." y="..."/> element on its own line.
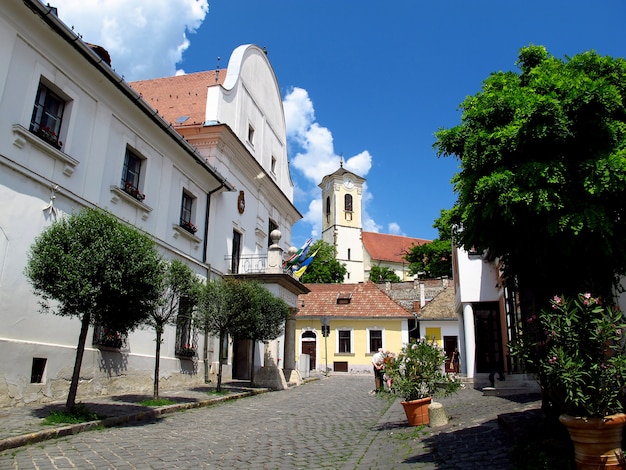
<point x="325" y="332"/>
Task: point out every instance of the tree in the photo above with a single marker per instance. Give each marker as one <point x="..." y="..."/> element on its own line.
<point x="214" y="316"/>
<point x="434" y="259"/>
<point x="542" y="183"/>
<point x="383" y="274"/>
<point x="324" y="268"/>
<point x="179" y="286"/>
<point x="258" y="314"/>
<point x="241" y="309"/>
<point x="97" y="269"/>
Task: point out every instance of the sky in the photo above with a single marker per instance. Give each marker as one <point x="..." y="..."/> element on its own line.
<point x="369" y="82"/>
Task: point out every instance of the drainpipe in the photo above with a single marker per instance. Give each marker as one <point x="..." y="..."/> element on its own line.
<point x="206" y="221"/>
<point x="205" y="244"/>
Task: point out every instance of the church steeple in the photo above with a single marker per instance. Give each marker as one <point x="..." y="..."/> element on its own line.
<point x="342" y="197"/>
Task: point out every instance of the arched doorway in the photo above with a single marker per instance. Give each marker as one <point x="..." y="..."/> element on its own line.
<point x="309" y="346"/>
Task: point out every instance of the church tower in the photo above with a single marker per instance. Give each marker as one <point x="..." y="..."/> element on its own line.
<point x="342" y="225"/>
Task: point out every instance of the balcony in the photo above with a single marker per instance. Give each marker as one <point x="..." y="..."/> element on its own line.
<point x="248" y="264"/>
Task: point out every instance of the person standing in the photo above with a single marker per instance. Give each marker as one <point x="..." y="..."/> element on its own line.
<point x="378" y="361"/>
<point x="456" y="360"/>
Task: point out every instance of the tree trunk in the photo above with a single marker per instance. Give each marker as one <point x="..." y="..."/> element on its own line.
<point x="157" y="363"/>
<point x="82" y="339"/>
<point x="219" y="363"/>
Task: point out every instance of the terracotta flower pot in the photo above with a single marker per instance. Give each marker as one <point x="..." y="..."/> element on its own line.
<point x="416" y="411"/>
<point x="597" y="441"/>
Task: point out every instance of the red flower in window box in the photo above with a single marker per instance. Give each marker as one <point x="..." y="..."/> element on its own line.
<point x="47" y="134"/>
<point x="129" y="188"/>
<point x="187" y="225"/>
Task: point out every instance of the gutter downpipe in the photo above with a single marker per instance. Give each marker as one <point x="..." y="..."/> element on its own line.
<point x="208" y="274"/>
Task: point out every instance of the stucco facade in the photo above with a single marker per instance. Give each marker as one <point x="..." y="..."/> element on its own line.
<point x="105" y="129"/>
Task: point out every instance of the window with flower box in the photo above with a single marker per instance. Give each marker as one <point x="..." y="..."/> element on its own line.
<point x="131" y="175"/>
<point x="47" y="116"/>
<point x="186" y="341"/>
<point x="186" y="213"/>
<point x="107" y="338"/>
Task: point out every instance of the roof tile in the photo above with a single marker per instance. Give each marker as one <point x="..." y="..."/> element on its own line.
<point x="366" y="301"/>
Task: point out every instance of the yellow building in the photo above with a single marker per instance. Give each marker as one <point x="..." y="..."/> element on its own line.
<point x="360" y="318"/>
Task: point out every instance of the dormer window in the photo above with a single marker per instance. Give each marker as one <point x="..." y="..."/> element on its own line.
<point x="250" y="135"/>
<point x="273" y="165"/>
<point x="344" y="298"/>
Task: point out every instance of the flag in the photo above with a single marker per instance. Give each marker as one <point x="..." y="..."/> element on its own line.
<point x="304" y="265"/>
<point x="296" y="257"/>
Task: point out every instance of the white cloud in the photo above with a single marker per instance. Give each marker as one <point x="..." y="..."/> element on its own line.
<point x="394" y="228"/>
<point x="146" y="39"/>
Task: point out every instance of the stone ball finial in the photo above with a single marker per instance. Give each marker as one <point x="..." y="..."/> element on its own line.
<point x="275" y="236"/>
<point x="292" y="251"/>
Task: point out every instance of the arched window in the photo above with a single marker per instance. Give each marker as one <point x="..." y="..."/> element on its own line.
<point x="348" y="202"/>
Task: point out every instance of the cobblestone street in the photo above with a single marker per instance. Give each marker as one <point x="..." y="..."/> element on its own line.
<point x="329" y="423"/>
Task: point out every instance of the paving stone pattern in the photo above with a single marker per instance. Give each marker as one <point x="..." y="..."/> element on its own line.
<point x="331" y="423"/>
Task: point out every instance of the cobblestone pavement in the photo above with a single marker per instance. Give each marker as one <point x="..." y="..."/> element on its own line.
<point x="331" y="423"/>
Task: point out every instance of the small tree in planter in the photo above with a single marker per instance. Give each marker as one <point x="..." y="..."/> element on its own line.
<point x="417" y="374"/>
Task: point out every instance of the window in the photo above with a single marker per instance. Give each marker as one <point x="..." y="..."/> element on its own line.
<point x="185" y="338"/>
<point x="38" y="369"/>
<point x="273" y="166"/>
<point x="348" y="202"/>
<point x="47" y="116"/>
<point x="224" y="353"/>
<point x="250" y="134"/>
<point x="107" y="338"/>
<point x="272" y="226"/>
<point x="348" y="254"/>
<point x="344" y="341"/>
<point x="186" y="207"/>
<point x="376" y="340"/>
<point x="328" y="209"/>
<point x="131" y="175"/>
<point x="236" y="252"/>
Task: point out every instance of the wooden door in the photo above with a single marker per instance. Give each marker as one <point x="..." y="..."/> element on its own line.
<point x="310" y="347"/>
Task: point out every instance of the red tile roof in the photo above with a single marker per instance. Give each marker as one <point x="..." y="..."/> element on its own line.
<point x="366" y="301"/>
<point x="180" y="96"/>
<point x="392" y="248"/>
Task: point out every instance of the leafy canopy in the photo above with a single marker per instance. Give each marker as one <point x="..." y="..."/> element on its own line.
<point x="90" y="262"/>
<point x="434" y="259"/>
<point x="383" y="274"/>
<point x="542" y="182"/>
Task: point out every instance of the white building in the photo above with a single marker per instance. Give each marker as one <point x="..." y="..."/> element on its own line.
<point x="74" y="134"/>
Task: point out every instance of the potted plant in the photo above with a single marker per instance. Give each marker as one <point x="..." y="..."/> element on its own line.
<point x="417" y="375"/>
<point x="577" y="348"/>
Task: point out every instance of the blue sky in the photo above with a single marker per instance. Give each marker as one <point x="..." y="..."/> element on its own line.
<point x="371" y="81"/>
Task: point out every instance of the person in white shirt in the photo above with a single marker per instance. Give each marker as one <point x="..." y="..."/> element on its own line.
<point x="378" y="361"/>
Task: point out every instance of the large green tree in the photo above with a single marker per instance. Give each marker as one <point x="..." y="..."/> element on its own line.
<point x="434" y="259"/>
<point x="92" y="266"/>
<point x="179" y="289"/>
<point x="324" y="269"/>
<point x="542" y="181"/>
